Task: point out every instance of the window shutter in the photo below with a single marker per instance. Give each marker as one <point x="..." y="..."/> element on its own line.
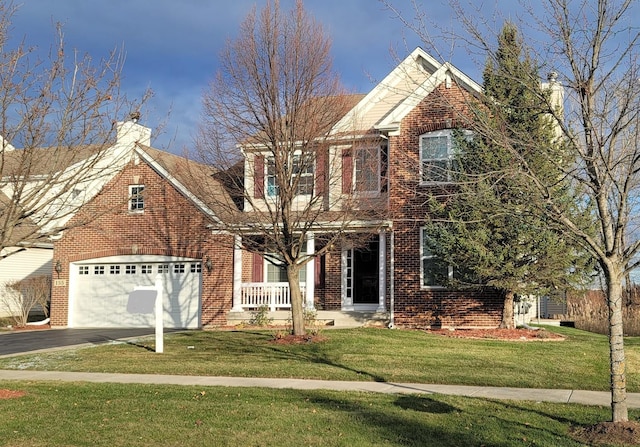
<point x="258" y="177"/>
<point x="347" y="171"/>
<point x="384" y="168"/>
<point x="321" y="172"/>
<point x="318" y="270"/>
<point x="257" y="274"/>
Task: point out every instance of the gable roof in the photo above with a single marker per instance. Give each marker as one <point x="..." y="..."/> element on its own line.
<point x="196" y="181"/>
<point x="26" y="231"/>
<point x="315" y="119"/>
<point x="45" y="161"/>
<point x="417" y="76"/>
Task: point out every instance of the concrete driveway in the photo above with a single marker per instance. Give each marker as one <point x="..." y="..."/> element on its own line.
<point x="19" y="342"/>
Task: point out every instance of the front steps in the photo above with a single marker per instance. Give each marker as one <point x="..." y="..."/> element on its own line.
<point x="324" y="318"/>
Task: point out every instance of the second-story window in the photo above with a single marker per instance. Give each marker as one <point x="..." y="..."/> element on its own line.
<point x="301" y="172"/>
<point x="436" y="156"/>
<point x="366" y="170"/>
<point x="272" y="178"/>
<point x="136" y="198"/>
<point x="363" y="170"/>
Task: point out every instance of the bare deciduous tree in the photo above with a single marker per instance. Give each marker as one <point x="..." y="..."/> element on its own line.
<point x="56" y="124"/>
<point x="21" y="297"/>
<point x="592" y="48"/>
<point x="276" y="98"/>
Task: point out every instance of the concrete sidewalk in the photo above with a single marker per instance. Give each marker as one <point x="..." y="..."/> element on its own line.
<point x="601" y="398"/>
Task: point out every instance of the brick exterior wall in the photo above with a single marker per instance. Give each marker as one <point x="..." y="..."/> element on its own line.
<point x="416" y="306"/>
<point x="170" y="225"/>
<point x="329" y="297"/>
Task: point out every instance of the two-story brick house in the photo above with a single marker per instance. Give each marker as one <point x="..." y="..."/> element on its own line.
<point x="389" y="153"/>
<point x="392" y="151"/>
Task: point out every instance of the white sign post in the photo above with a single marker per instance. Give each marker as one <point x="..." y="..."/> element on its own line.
<point x="148" y="300"/>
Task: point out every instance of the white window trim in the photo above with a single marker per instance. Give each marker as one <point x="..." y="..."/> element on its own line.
<point x="354" y="181"/>
<point x="422" y="258"/>
<point x="269" y="160"/>
<point x="468" y="134"/>
<point x="439" y="133"/>
<point x="138" y="197"/>
<point x="265" y="271"/>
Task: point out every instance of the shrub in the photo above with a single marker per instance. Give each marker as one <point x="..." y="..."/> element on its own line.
<point x="261" y="317"/>
<point x="311" y="322"/>
<point x="22" y="296"/>
<point x="589" y="311"/>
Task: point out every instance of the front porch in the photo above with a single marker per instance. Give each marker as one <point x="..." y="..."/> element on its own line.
<point x="275" y="295"/>
<point x="347" y="279"/>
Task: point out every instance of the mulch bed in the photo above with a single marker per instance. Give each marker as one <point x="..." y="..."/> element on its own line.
<point x="520" y="334"/>
<point x="11" y="394"/>
<point x="290" y="339"/>
<point x="609" y="433"/>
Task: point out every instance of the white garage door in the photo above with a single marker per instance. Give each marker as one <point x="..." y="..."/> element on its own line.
<point x="100" y="291"/>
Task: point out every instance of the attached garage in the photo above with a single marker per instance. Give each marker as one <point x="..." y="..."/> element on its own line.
<point x="100" y="290"/>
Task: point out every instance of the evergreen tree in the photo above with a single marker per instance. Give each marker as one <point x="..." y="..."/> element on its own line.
<point x="491" y="228"/>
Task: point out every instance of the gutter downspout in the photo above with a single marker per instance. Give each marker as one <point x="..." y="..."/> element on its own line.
<point x="391" y="280"/>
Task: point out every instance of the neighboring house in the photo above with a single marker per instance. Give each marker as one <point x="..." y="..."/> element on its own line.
<point x="151" y="225"/>
<point x="22" y="258"/>
<point x="18" y="263"/>
<point x="390" y="152"/>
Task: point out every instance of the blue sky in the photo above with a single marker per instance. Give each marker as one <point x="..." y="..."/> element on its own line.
<point x="172" y="46"/>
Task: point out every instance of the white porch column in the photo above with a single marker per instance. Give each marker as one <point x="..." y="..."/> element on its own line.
<point x="382" y="271"/>
<point x="310" y="276"/>
<point x="346" y="280"/>
<point x="237" y="274"/>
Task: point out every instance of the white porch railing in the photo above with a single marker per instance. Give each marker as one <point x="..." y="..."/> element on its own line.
<point x="273" y="294"/>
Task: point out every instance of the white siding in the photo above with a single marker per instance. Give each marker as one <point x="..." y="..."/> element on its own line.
<point x="23" y="263"/>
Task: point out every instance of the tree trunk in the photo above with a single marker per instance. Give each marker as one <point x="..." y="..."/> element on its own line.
<point x="297" y="308"/>
<point x="619" y="411"/>
<point x="507" y="310"/>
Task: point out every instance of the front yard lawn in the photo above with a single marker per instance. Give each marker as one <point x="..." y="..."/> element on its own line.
<point x="115" y="415"/>
<point x="578" y="362"/>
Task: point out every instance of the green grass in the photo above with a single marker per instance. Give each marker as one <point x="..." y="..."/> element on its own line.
<point x="114" y="415"/>
<point x="579" y="362"/>
<point x="89" y="414"/>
